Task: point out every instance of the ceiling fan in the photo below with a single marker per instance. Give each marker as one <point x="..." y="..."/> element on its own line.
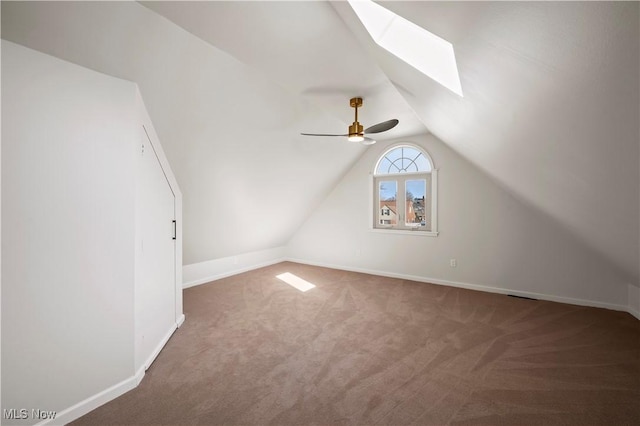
<point x="356" y="132"/>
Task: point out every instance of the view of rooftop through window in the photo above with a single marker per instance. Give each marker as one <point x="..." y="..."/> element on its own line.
<point x="403" y="189"/>
<point x="423" y="50"/>
<point x="412" y="209"/>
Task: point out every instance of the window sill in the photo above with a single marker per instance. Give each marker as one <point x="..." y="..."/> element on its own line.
<point x="404" y="232"/>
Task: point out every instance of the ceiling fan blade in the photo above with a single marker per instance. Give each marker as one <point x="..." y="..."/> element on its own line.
<point x="319" y="134"/>
<point x="368" y="141"/>
<point x="382" y="127"/>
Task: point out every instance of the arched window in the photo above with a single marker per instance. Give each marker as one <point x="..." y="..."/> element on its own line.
<point x="404" y="186"/>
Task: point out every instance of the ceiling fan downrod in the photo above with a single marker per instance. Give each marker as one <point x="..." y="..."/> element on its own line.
<point x="356" y="130"/>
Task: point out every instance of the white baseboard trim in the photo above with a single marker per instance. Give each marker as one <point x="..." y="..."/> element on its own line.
<point x="479" y="287"/>
<point x="633" y="300"/>
<point x="83" y="407"/>
<point x="158" y="348"/>
<point x="139" y="375"/>
<point x="204" y="272"/>
<point x="180" y="321"/>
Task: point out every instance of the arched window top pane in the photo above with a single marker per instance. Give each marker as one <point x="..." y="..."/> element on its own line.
<point x="403" y="159"/>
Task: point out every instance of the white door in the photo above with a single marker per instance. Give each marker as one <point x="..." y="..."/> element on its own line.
<point x="155" y="274"/>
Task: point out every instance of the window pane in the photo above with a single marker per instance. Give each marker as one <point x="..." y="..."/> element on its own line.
<point x="410" y="153"/>
<point x="395" y="161"/>
<point x="403" y="159"/>
<point x="394" y="154"/>
<point x="415" y="209"/>
<point x="422" y="163"/>
<point x="383" y="167"/>
<point x="388" y="194"/>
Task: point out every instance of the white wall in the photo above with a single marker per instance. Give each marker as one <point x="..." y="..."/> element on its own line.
<point x="550" y="108"/>
<point x="498" y="241"/>
<point x="232" y="136"/>
<point x="203" y="272"/>
<point x="70" y="143"/>
<point x="634" y="289"/>
<point x="0" y="234"/>
<point x="634" y="300"/>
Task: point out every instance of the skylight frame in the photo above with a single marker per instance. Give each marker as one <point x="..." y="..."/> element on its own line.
<point x="430" y="54"/>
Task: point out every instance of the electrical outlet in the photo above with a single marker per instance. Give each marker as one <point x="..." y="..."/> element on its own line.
<point x="453" y="263"/>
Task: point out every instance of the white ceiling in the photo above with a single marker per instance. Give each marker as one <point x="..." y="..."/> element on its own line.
<point x="551" y="92"/>
<point x="551" y="108"/>
<point x="306" y="48"/>
<point x="550" y="112"/>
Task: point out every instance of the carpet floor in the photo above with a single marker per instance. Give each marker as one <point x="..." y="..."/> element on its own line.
<point x="360" y="349"/>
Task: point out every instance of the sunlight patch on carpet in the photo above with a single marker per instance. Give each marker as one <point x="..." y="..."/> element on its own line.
<point x="295" y="281"/>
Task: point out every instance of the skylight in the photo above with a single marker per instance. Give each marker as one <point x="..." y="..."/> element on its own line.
<point x="425" y="51"/>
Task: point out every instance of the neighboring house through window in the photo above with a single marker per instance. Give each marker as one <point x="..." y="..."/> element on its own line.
<point x="404" y="186"/>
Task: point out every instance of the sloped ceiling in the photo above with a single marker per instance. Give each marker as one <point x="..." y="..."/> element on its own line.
<point x="305" y="47"/>
<point x="230" y="131"/>
<point x="550" y="110"/>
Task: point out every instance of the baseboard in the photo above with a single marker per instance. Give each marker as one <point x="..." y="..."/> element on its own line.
<point x="139" y="375"/>
<point x="80" y="409"/>
<point x="633" y="300"/>
<point x="469" y="286"/>
<point x="180" y="321"/>
<point x="158" y="348"/>
<point x="280" y="257"/>
<point x="83" y="407"/>
<point x="204" y="272"/>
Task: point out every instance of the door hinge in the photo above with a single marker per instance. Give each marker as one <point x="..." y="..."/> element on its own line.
<point x="174" y="230"/>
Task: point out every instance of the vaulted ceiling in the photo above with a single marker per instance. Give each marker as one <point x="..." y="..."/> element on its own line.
<point x="550" y="110"/>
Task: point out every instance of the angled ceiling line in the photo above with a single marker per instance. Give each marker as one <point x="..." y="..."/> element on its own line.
<point x="430" y="54"/>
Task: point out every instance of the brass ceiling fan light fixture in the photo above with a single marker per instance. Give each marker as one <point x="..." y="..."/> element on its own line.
<point x="357" y="132"/>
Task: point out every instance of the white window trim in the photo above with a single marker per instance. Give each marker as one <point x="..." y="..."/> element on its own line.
<point x="434" y="207"/>
<point x="434" y="194"/>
